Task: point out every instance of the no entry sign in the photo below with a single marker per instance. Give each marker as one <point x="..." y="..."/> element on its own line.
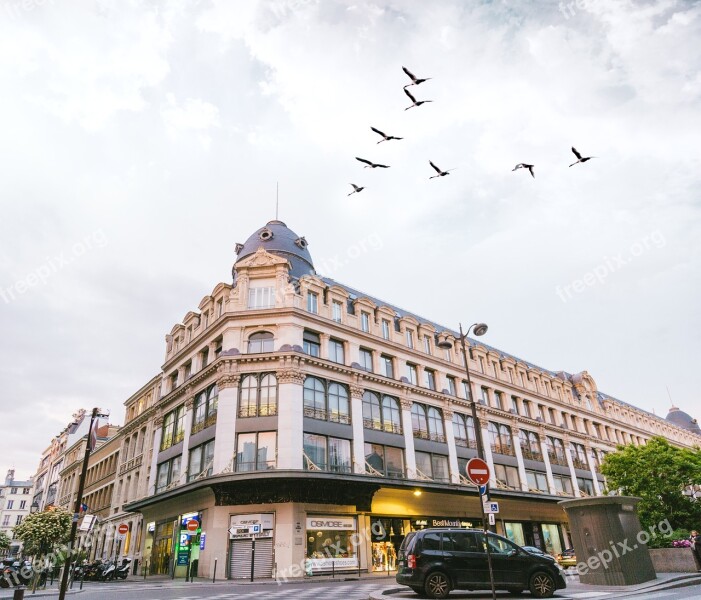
<point x="192" y="525"/>
<point x="477" y="471"/>
<point x="123" y="529"/>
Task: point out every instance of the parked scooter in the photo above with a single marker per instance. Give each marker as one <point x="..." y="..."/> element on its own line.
<point x="107" y="572"/>
<point x="122" y="571"/>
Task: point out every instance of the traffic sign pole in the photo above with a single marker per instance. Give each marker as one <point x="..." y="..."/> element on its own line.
<point x="478" y="473"/>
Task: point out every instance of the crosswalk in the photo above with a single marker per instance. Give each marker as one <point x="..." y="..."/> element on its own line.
<point x="348" y="591"/>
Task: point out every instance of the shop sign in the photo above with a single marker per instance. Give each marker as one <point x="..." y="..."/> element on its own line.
<point x="441" y="522"/>
<point x="327" y="564"/>
<point x="246" y="534"/>
<point x="264" y="521"/>
<point x="331" y="523"/>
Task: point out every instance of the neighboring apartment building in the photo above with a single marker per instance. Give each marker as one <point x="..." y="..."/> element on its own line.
<point x="318" y="424"/>
<point x="46" y="478"/>
<point x="15" y="504"/>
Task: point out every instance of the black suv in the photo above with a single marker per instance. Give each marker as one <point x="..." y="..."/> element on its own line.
<point x="435" y="561"/>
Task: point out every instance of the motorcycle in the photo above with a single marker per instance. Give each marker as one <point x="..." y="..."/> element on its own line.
<point x="123" y="571"/>
<point x="107" y="572"/>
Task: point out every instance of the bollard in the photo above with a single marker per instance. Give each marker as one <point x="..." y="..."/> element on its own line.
<point x="333" y="569"/>
<point x="214" y="575"/>
<point x="19" y="593"/>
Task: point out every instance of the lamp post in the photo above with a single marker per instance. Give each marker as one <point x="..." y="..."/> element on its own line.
<point x="479" y="330"/>
<point x="89" y="446"/>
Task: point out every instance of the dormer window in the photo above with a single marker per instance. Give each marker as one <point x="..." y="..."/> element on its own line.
<point x="265" y="234"/>
<point x="301" y="243"/>
<point x="261" y="297"/>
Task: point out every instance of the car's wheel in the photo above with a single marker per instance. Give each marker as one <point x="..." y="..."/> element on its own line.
<point x="437" y="585"/>
<point x="542" y="585"/>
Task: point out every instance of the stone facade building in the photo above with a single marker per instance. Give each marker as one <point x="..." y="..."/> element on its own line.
<point x="317" y="425"/>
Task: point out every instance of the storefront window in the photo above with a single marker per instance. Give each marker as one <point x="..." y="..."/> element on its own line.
<point x="551" y="538"/>
<point x="332" y="544"/>
<point x="386" y="538"/>
<point x="514" y="531"/>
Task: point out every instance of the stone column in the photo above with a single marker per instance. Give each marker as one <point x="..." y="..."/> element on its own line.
<point x="546" y="461"/>
<point x="410" y="457"/>
<point x="158" y="426"/>
<point x="590" y="462"/>
<point x="225" y="427"/>
<point x="515" y="432"/>
<point x="324" y="350"/>
<point x="570" y="464"/>
<point x="450" y="440"/>
<point x="356" y="392"/>
<point x="185" y="460"/>
<point x="290" y="438"/>
<point x="486" y="442"/>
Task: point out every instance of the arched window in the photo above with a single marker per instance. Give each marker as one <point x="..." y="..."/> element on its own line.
<point x="372" y="415"/>
<point x="261" y="341"/>
<point x="314" y="398"/>
<point x="247" y="390"/>
<point x="391" y="415"/>
<point x="258" y="395"/>
<point x="418" y="421"/>
<point x="339" y="409"/>
<point x="435" y="424"/>
<point x="530" y="445"/>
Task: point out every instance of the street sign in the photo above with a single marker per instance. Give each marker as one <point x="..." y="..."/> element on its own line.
<point x="477" y="471"/>
<point x="492" y="519"/>
<point x="123" y="529"/>
<point x="491" y="507"/>
<point x="483" y="490"/>
<point x="192" y="525"/>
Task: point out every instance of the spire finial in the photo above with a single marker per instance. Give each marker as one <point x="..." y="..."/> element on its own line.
<point x="277" y="198"/>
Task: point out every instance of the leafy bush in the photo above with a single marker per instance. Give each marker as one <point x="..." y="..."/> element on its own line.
<point x="679" y="538"/>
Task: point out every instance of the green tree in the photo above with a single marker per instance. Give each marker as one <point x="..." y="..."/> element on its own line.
<point x="657" y="472"/>
<point x="41" y="532"/>
<point x="4" y="542"/>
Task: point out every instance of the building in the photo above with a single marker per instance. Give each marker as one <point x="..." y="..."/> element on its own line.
<point x="46" y="478"/>
<point x="15" y="504"/>
<point x="298" y="425"/>
<point x="98" y="488"/>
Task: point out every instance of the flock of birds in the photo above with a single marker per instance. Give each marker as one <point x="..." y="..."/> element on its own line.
<point x="439" y="172"/>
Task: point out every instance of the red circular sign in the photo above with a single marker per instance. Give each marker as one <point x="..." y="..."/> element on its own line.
<point x="192" y="525"/>
<point x="123" y="529"/>
<point x="477" y="471"/>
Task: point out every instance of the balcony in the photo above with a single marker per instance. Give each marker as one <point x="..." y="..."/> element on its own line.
<point x="503" y="449"/>
<point x="466" y="443"/>
<point x="580" y="464"/>
<point x="531" y="455"/>
<point x="425" y="435"/>
<point x="202" y="425"/>
<point x="557" y="459"/>
<point x="258" y="411"/>
<point x="131" y="464"/>
<point x="378" y="425"/>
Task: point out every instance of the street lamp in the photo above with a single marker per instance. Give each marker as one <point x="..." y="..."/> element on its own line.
<point x="479" y="329"/>
<point x="34" y="508"/>
<point x="89" y="447"/>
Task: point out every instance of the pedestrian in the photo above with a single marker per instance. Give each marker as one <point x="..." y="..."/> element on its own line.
<point x="695" y="540"/>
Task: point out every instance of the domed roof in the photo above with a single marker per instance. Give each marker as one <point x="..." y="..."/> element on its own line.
<point x="275" y="237"/>
<point x="682" y="419"/>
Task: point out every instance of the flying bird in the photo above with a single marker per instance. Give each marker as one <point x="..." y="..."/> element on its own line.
<point x="580" y="158"/>
<point x="414" y="100"/>
<point x="356" y="189"/>
<point x="440" y="173"/>
<point x="371" y="164"/>
<point x="386" y="138"/>
<point x="525" y="166"/>
<point x="414" y="80"/>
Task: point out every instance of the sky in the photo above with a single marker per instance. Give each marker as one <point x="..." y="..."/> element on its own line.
<point x="142" y="140"/>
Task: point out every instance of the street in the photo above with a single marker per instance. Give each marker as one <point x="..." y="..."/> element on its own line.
<point x="347" y="590"/>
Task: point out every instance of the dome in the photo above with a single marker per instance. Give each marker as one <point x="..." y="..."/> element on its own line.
<point x="683" y="420"/>
<point x="275" y="237"/>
